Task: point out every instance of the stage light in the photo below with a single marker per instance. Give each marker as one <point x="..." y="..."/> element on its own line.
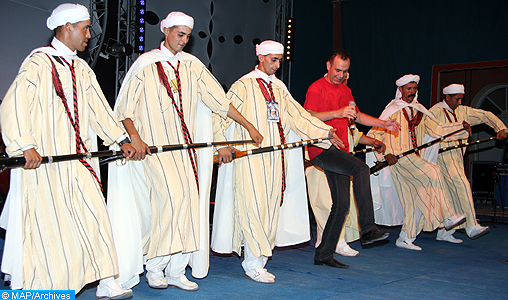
<point x="116" y="49"/>
<point x="289" y="41"/>
<point x="139" y="39"/>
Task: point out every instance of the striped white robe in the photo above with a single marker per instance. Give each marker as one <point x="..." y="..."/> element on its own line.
<point x="451" y="162"/>
<point x="58" y="231"/>
<point x="419" y="184"/>
<point x="154" y="204"/>
<point x="257" y="179"/>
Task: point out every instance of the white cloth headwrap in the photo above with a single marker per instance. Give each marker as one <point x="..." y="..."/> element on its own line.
<point x="407" y="79"/>
<point x="453" y="89"/>
<point x="269" y="47"/>
<point x="67" y="12"/>
<point x="177" y="18"/>
<point x="403" y="81"/>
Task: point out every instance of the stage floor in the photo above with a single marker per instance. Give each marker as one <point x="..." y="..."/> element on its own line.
<point x="475" y="269"/>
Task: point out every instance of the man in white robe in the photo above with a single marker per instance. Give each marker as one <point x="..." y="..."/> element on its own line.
<point x="58" y="231"/>
<point x="167" y="97"/>
<point x="451" y="163"/>
<point x="259" y="180"/>
<point x="419" y="184"/>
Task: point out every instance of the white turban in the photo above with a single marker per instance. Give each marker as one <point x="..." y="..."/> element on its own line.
<point x="67" y="12"/>
<point x="269" y="47"/>
<point x="177" y="18"/>
<point x="405" y="80"/>
<point x="453" y="89"/>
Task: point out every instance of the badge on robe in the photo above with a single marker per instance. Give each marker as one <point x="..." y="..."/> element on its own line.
<point x="272" y="111"/>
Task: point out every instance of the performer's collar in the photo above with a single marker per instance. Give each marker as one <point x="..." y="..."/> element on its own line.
<point x="63" y="49"/>
<point x="263" y="75"/>
<point x="414" y="102"/>
<point x="446" y="106"/>
<point x="171" y="57"/>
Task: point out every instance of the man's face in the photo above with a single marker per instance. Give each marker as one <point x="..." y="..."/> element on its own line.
<point x="454" y="101"/>
<point x="176" y="38"/>
<point x="79" y="33"/>
<point x="337" y="71"/>
<point x="409" y="91"/>
<point x="269" y="63"/>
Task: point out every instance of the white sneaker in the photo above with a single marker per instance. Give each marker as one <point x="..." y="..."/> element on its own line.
<point x="113" y="290"/>
<point x="405" y="244"/>
<point x="447" y="236"/>
<point x="454" y="221"/>
<point x="182" y="282"/>
<point x="156" y="280"/>
<point x="260" y="275"/>
<point x="347" y="251"/>
<point x="477" y="231"/>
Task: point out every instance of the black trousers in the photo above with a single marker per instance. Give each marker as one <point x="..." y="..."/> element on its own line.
<point x="339" y="167"/>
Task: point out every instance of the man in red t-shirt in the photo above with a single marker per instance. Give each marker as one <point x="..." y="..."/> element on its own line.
<point x="330" y="100"/>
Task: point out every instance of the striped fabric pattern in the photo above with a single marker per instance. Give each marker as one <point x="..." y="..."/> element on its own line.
<point x="271" y="98"/>
<point x="179" y="109"/>
<point x="419" y="183"/>
<point x="172" y="186"/>
<point x="74" y="121"/>
<point x="65" y="231"/>
<point x="257" y="179"/>
<point x="451" y="163"/>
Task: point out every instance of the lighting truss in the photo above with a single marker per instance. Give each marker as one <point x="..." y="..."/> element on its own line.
<point x="126" y="34"/>
<point x="98" y="24"/>
<point x="283" y="11"/>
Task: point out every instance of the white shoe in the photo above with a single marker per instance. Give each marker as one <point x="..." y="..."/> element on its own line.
<point x="454" y="221"/>
<point x="447" y="236"/>
<point x="405" y="244"/>
<point x="113" y="290"/>
<point x="260" y="275"/>
<point x="347" y="251"/>
<point x="156" y="280"/>
<point x="182" y="282"/>
<point x="269" y="274"/>
<point x="477" y="231"/>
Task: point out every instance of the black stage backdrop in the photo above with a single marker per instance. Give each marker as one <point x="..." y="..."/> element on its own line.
<point x="387" y="39"/>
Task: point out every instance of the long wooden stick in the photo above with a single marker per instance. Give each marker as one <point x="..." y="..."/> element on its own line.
<point x="366" y="150"/>
<point x="465" y="144"/>
<point x="159" y="149"/>
<point x="273" y="148"/>
<point x="110" y="155"/>
<point x="382" y="164"/>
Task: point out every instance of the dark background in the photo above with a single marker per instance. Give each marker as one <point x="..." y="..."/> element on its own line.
<point x="386" y="39"/>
